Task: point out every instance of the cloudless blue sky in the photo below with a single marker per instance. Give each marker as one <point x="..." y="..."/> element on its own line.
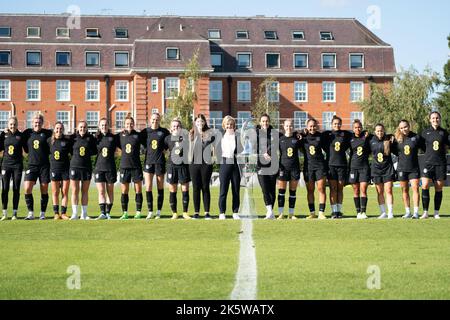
<point x="416" y="29"/>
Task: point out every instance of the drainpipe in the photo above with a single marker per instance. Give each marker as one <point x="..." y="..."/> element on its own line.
<point x="108" y="98"/>
<point x="13" y="109"/>
<point x="229" y="82"/>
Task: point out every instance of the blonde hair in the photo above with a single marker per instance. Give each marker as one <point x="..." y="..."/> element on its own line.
<point x="38" y="115"/>
<point x="399" y="136"/>
<point x="226" y="120"/>
<point x="176" y="119"/>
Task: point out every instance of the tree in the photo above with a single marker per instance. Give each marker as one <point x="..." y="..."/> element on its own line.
<point x="262" y="104"/>
<point x="443" y="99"/>
<point x="408" y="97"/>
<point x="181" y="104"/>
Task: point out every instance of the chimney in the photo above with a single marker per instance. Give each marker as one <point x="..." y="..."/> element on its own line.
<point x="181" y="27"/>
<point x="160" y="27"/>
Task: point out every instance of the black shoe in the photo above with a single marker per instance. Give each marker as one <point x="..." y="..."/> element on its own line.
<point x="340" y="215"/>
<point x="207" y="216"/>
<point x="196" y="216"/>
<point x="334" y="215"/>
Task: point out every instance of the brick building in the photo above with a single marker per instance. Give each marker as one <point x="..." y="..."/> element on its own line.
<point x="112" y="65"/>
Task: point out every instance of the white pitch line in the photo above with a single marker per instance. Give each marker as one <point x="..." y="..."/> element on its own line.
<point x="246" y="277"/>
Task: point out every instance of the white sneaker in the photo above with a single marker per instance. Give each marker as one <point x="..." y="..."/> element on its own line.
<point x="390" y="216"/>
<point x="407" y="216"/>
<point x="236" y="216"/>
<point x="222" y="216"/>
<point x="383" y="216"/>
<point x="358" y="216"/>
<point x="30" y="216"/>
<point x="42" y="216"/>
<point x="269" y="216"/>
<point x="415" y="216"/>
<point x="437" y="217"/>
<point x="74" y="217"/>
<point x="363" y="216"/>
<point x="14" y="218"/>
<point x="424" y="216"/>
<point x="149" y="216"/>
<point x="108" y="217"/>
<point x="102" y="217"/>
<point x="5" y="217"/>
<point x="158" y="215"/>
<point x="86" y="217"/>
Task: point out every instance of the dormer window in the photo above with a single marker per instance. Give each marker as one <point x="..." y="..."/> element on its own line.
<point x="120" y="33"/>
<point x="92" y="33"/>
<point x="326" y="36"/>
<point x="242" y="34"/>
<point x="173" y="54"/>
<point x="33" y="32"/>
<point x="214" y="34"/>
<point x="270" y="35"/>
<point x="298" y="35"/>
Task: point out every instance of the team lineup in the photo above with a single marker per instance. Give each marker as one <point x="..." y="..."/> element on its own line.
<point x="337" y="156"/>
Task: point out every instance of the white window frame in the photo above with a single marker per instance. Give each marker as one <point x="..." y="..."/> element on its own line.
<point x="154" y="84"/>
<point x="275" y="33"/>
<point x="93" y="127"/>
<point x="221" y="60"/>
<point x="216" y="94"/>
<point x="247" y="36"/>
<point x="63" y="37"/>
<point x="7" y="90"/>
<point x="116" y="121"/>
<point x="115" y="59"/>
<point x="352" y="92"/>
<point x="324" y="83"/>
<point x="5" y="119"/>
<point x="10" y="32"/>
<point x="250" y="59"/>
<point x="63" y="90"/>
<point x="92" y="37"/>
<point x="166" y="89"/>
<point x="9" y="60"/>
<point x="307" y="60"/>
<point x="215" y="121"/>
<point x="214" y="30"/>
<point x="268" y="91"/>
<point x="56" y="59"/>
<point x="353" y="116"/>
<point x="172" y="48"/>
<point x="241" y="92"/>
<point x="86" y="60"/>
<point x="155" y="110"/>
<point x="119" y="90"/>
<point x="300" y="92"/>
<point x="29" y="117"/>
<point x="33" y="65"/>
<point x="36" y="28"/>
<point x="279" y="60"/>
<point x="120" y="28"/>
<point x="28" y="82"/>
<point x="298" y="32"/>
<point x="297" y="119"/>
<point x="87" y="89"/>
<point x="240" y="118"/>
<point x="350" y="61"/>
<point x="330" y="114"/>
<point x="331" y="34"/>
<point x="67" y="123"/>
<point x="329" y="54"/>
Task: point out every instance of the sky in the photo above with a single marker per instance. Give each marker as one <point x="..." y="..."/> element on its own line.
<point x="417" y="30"/>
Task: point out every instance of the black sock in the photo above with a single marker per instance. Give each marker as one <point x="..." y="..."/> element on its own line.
<point x="185" y="201"/>
<point x="363" y="204"/>
<point x="437" y="200"/>
<point x="322" y="207"/>
<point x="173" y="201"/>
<point x="5" y="199"/>
<point x="63" y="210"/>
<point x="44" y="202"/>
<point x="16" y="198"/>
<point x="30" y="202"/>
<point x="425" y="199"/>
<point x="124" y="200"/>
<point x="56" y="209"/>
<point x="160" y="198"/>
<point x="103" y="208"/>
<point x="357" y="201"/>
<point x="312" y="207"/>
<point x="292" y="199"/>
<point x="281" y="197"/>
<point x="108" y="208"/>
<point x="149" y="195"/>
<point x="139" y="199"/>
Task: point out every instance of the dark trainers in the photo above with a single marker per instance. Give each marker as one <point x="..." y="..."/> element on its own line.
<point x="196" y="216"/>
<point x="207" y="216"/>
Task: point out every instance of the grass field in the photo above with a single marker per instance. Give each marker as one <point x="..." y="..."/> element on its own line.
<point x="165" y="259"/>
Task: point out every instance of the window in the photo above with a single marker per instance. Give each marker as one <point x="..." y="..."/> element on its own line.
<point x="62" y="90"/>
<point x="172" y="87"/>
<point x="356" y="91"/>
<point x="5" y="58"/>
<point x="33" y="90"/>
<point x="214" y="34"/>
<point x="154" y="84"/>
<point x="155" y="110"/>
<point x="64" y="117"/>
<point x="215" y="119"/>
<point x="33" y="32"/>
<point x="92" y="90"/>
<point x="270" y="35"/>
<point x="300" y="60"/>
<point x="328" y="60"/>
<point x="356" y="61"/>
<point x="120" y="33"/>
<point x="121" y="59"/>
<point x="216" y="60"/>
<point x="244" y="93"/>
<point x="121" y="90"/>
<point x="272" y="60"/>
<point x="215" y="90"/>
<point x="300" y="118"/>
<point x="173" y="54"/>
<point x="273" y="91"/>
<point x="298" y="35"/>
<point x="62" y="32"/>
<point x="62" y="59"/>
<point x="301" y="91"/>
<point x="4" y="116"/>
<point x="242" y="34"/>
<point x="33" y="58"/>
<point x="92" y="33"/>
<point x="5" y="32"/>
<point x="92" y="59"/>
<point x="356" y="115"/>
<point x="5" y="90"/>
<point x="328" y="91"/>
<point x="326" y="36"/>
<point x="120" y="119"/>
<point x="30" y="116"/>
<point x="242" y="117"/>
<point x="92" y="118"/>
<point x="327" y="117"/>
<point x="244" y="60"/>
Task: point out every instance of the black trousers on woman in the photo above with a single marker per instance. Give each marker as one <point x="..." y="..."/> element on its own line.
<point x="268" y="185"/>
<point x="201" y="179"/>
<point x="229" y="173"/>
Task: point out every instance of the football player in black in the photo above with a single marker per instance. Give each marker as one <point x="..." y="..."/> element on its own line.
<point x="315" y="167"/>
<point x="436" y="140"/>
<point x="383" y="174"/>
<point x="177" y="144"/>
<point x="407" y="144"/>
<point x="289" y="172"/>
<point x="337" y="143"/>
<point x="155" y="162"/>
<point x="83" y="148"/>
<point x="38" y="149"/>
<point x="130" y="167"/>
<point x="60" y="149"/>
<point x="359" y="167"/>
<point x="105" y="172"/>
<point x="11" y="143"/>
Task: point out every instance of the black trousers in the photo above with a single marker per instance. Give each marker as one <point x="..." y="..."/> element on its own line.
<point x="268" y="185"/>
<point x="201" y="179"/>
<point x="229" y="173"/>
